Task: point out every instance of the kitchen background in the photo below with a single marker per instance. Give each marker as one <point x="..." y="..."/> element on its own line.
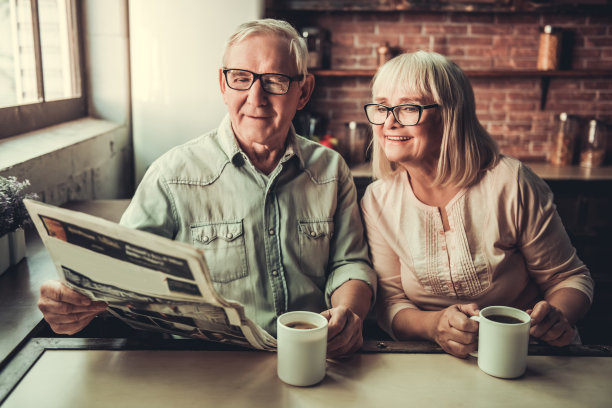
<point x="495" y="41"/>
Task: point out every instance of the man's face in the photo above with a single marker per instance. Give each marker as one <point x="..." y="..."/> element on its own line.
<point x="257" y="116"/>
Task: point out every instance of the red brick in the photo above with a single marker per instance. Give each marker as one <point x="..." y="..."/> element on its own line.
<point x="408" y="17"/>
<point x="445" y="29"/>
<point x="397" y="29"/>
<point x="472" y="18"/>
<point x="489" y="30"/>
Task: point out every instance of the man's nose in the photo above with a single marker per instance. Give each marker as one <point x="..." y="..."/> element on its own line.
<point x="257" y="95"/>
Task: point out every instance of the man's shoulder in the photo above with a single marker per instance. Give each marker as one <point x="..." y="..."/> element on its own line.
<point x="320" y="161"/>
<point x="200" y="155"/>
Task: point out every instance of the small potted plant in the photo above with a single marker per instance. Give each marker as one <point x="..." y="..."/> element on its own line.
<point x="13" y="217"/>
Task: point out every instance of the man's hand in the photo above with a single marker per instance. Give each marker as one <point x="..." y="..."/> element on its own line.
<point x="66" y="311"/>
<point x="455" y="332"/>
<point x="550" y="324"/>
<point x="344" y="331"/>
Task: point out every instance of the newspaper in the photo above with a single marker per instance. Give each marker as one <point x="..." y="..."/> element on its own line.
<point x="150" y="282"/>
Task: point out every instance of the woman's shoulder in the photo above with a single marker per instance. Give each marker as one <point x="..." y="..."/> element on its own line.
<point x="379" y="190"/>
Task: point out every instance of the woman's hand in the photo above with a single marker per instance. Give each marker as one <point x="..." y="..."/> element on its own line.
<point x="66" y="311"/>
<point x="455" y="332"/>
<point x="549" y="324"/>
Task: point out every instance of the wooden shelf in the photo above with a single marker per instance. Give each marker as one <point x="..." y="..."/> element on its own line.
<point x="493" y="73"/>
<point x="544" y="76"/>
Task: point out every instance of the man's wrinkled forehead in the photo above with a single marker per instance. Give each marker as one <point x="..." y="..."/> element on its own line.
<point x="260" y="43"/>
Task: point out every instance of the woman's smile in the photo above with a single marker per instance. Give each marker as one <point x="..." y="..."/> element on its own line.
<point x="398" y="138"/>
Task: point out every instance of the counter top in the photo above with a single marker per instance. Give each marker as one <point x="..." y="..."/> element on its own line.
<point x="544" y="170"/>
<point x="50" y="373"/>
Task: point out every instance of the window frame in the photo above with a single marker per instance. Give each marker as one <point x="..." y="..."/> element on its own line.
<point x="24" y="118"/>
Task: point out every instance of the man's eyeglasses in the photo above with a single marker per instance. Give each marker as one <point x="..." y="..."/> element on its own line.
<point x="406" y="114"/>
<point x="242" y="80"/>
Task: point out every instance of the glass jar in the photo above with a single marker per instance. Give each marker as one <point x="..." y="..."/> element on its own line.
<point x="594" y="146"/>
<point x="358" y="139"/>
<point x="549" y="51"/>
<point x="563" y="149"/>
<point x="316" y="41"/>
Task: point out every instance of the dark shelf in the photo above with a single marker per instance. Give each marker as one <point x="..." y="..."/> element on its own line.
<point x="493" y="73"/>
<point x="544" y="76"/>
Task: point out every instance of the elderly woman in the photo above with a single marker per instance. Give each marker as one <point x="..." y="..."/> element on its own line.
<point x="455" y="226"/>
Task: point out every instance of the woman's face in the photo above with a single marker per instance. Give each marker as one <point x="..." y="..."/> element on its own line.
<point x="410" y="145"/>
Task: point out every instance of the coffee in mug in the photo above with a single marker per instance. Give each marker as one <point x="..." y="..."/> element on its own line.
<point x="301" y="347"/>
<point x="505" y="319"/>
<point x="301" y="325"/>
<point x="503" y="340"/>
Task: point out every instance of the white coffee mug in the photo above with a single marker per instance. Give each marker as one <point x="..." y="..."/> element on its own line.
<point x="301" y="350"/>
<point x="503" y="345"/>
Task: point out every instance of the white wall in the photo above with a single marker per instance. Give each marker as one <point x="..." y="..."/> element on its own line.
<point x="175" y="54"/>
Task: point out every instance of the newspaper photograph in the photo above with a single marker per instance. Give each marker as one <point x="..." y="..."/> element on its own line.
<point x="149" y="282"/>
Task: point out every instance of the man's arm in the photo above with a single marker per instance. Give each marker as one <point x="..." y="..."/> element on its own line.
<point x="350" y="305"/>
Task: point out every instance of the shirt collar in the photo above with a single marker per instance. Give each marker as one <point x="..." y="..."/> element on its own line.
<point x="230" y="146"/>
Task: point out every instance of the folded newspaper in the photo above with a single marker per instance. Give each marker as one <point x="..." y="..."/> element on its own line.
<point x="150" y="282"/>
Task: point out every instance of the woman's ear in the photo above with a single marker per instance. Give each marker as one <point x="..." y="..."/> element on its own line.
<point x="306" y="91"/>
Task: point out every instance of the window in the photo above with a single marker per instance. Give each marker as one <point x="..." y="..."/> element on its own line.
<point x="40" y="65"/>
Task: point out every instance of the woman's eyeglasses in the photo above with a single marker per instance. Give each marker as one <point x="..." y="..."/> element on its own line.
<point x="406" y="114"/>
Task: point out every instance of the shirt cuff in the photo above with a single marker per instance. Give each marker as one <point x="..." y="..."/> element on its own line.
<point x="345" y="273"/>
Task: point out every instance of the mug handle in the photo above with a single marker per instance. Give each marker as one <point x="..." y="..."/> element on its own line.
<point x="475" y="353"/>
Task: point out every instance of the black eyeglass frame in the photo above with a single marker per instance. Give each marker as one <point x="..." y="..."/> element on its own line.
<point x="296" y="78"/>
<point x="392" y="110"/>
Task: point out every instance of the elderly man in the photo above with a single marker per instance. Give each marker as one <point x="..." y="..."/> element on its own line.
<point x="276" y="215"/>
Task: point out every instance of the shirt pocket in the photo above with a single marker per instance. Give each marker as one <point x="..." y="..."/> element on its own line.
<point x="314" y="238"/>
<point x="224" y="249"/>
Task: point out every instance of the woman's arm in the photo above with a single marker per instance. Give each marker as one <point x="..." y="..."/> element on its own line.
<point x="451" y="328"/>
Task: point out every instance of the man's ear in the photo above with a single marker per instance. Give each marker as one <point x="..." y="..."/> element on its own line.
<point x="306" y="91"/>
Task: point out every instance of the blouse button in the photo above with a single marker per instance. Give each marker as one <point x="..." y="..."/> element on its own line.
<point x="271" y="231"/>
<point x="205" y="239"/>
<point x="274" y="272"/>
<point x="312" y="233"/>
<point x="229" y="235"/>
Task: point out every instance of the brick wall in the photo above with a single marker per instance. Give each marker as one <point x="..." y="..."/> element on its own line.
<point x="508" y="107"/>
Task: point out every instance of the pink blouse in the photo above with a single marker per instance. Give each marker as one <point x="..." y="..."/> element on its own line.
<point x="506" y="244"/>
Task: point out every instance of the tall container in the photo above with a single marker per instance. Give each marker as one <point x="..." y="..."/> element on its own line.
<point x="317" y="42"/>
<point x="563" y="149"/>
<point x="594" y="146"/>
<point x="358" y="138"/>
<point x="549" y="51"/>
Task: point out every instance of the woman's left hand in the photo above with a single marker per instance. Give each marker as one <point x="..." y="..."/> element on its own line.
<point x="550" y="324"/>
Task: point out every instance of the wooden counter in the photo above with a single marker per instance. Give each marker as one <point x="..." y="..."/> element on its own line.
<point x="75" y="373"/>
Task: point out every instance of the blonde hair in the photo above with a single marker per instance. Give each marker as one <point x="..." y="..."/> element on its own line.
<point x="466" y="147"/>
<point x="269" y="26"/>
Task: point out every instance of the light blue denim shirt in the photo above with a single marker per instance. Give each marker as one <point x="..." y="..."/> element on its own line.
<point x="274" y="243"/>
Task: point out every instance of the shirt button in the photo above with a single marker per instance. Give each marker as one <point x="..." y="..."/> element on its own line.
<point x="312" y="233"/>
<point x="229" y="235"/>
<point x="274" y="272"/>
<point x="271" y="231"/>
<point x="205" y="239"/>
